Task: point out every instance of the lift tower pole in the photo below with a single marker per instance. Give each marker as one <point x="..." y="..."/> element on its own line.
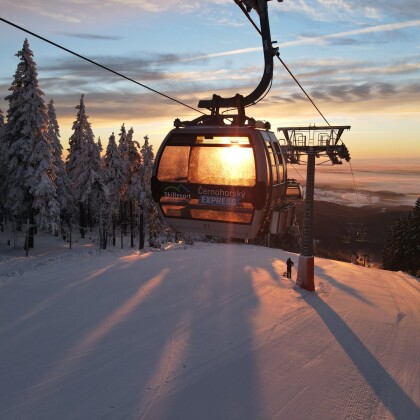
<point x="300" y="141"/>
<point x="305" y="276"/>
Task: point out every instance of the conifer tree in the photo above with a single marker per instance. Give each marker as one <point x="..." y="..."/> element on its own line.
<point x="97" y="193"/>
<point x="2" y="170"/>
<point x="402" y="247"/>
<point x="62" y="181"/>
<point x="84" y="169"/>
<point x="114" y="171"/>
<point x="134" y="164"/>
<point x="74" y="163"/>
<point x="413" y="240"/>
<point x="155" y="224"/>
<point x="2" y="149"/>
<point x="133" y="189"/>
<point x="153" y="220"/>
<point x="123" y="147"/>
<point x="31" y="191"/>
<point x="148" y="157"/>
<point x="115" y="178"/>
<point x="394" y="246"/>
<point x="100" y="147"/>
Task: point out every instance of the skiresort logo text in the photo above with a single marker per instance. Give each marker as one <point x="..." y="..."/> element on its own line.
<point x="180" y="191"/>
<point x="220" y="197"/>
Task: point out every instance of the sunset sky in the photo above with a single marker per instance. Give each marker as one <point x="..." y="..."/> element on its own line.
<point x="359" y="60"/>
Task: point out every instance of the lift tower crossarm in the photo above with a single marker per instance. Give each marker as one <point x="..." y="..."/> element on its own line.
<point x="338" y="131"/>
<point x="332" y="146"/>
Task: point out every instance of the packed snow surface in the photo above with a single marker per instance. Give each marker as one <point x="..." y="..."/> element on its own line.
<point x="209" y="331"/>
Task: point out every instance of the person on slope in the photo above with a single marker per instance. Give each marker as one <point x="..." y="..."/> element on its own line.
<point x="289" y="265"/>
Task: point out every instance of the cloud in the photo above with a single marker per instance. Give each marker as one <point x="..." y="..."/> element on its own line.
<point x="58" y="10"/>
<point x="339" y="82"/>
<point x="215" y="10"/>
<point x="159" y="67"/>
<point x="339" y="38"/>
<point x="75" y="69"/>
<point x="77" y="11"/>
<point x="345" y="42"/>
<point x="356" y="10"/>
<point x="331" y="81"/>
<point x="91" y="36"/>
<point x="386" y="89"/>
<point x="224" y="54"/>
<point x="396" y="68"/>
<point x="102" y="105"/>
<point x="359" y="93"/>
<point x="372" y="29"/>
<point x="68" y="73"/>
<point x="328" y="81"/>
<point x="158" y="63"/>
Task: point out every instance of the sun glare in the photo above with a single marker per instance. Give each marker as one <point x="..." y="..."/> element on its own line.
<point x="232" y="156"/>
<point x="232" y="165"/>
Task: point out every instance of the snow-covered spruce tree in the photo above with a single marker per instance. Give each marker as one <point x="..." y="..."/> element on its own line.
<point x="74" y="162"/>
<point x="2" y="171"/>
<point x="123" y="149"/>
<point x="148" y="158"/>
<point x="134" y="188"/>
<point x="123" y="146"/>
<point x="289" y="241"/>
<point x="402" y="247"/>
<point x="84" y="170"/>
<point x="154" y="222"/>
<point x="115" y="179"/>
<point x="391" y="252"/>
<point x="100" y="147"/>
<point x="413" y="240"/>
<point x="31" y="191"/>
<point x="99" y="197"/>
<point x="1" y="141"/>
<point x="62" y="181"/>
<point x="134" y="164"/>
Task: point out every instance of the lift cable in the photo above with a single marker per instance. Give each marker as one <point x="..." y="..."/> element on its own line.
<point x="100" y="65"/>
<point x="301" y="87"/>
<point x="300" y="175"/>
<point x="354" y="183"/>
<point x="277" y="54"/>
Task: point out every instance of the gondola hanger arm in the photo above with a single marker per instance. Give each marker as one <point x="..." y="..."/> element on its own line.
<point x="238" y="101"/>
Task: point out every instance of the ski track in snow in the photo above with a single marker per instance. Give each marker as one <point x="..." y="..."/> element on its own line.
<point x="207" y="332"/>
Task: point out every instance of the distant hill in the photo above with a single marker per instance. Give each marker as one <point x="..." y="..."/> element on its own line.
<point x="329" y="228"/>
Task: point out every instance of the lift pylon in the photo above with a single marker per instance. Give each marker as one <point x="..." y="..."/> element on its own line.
<point x="313" y="142"/>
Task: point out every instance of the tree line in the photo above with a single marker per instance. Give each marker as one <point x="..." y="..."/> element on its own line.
<point x="87" y="190"/>
<point x="402" y="247"/>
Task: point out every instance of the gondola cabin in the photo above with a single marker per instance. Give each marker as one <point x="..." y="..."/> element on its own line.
<point x="219" y="181"/>
<point x="294" y="190"/>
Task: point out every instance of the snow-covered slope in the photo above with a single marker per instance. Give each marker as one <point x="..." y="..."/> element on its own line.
<point x="204" y="332"/>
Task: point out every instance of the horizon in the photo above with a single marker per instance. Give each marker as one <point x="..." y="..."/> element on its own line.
<point x="360" y="66"/>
